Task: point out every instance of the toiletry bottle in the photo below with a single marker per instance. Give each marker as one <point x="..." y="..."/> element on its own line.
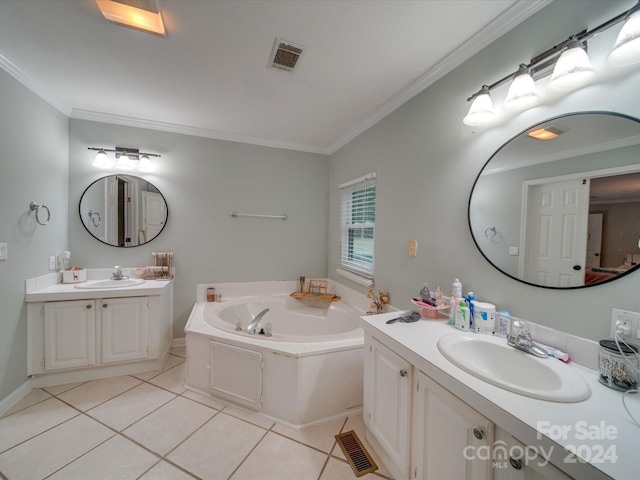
<point x="462" y="316"/>
<point x="438" y="296"/>
<point x="454" y="301"/>
<point x="504" y="323"/>
<point x="425" y="294"/>
<point x="470" y="298"/>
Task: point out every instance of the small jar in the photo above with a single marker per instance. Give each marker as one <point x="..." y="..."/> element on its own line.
<point x="211" y="294"/>
<point x="618" y="367"/>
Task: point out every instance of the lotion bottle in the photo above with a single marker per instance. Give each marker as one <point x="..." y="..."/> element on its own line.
<point x="454" y="301"/>
<point x="462" y="316"/>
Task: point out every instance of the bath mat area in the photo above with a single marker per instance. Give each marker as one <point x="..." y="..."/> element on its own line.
<point x="357" y="456"/>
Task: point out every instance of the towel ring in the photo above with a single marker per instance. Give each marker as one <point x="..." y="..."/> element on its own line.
<point x="93" y="215"/>
<point x="36" y="206"/>
<point x="490" y="232"/>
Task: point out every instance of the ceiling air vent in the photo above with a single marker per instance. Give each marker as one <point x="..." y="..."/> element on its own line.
<point x="285" y="55"/>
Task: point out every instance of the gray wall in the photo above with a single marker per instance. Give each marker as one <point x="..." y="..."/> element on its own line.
<point x="203" y="181"/>
<point x="427" y="159"/>
<point x="33" y="160"/>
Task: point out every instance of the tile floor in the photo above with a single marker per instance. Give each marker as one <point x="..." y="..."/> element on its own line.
<point x="149" y="427"/>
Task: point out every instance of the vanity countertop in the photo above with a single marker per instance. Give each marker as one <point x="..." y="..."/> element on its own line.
<point x="68" y="291"/>
<point x="598" y="428"/>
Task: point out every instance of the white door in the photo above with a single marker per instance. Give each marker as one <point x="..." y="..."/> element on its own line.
<point x="594" y="240"/>
<point x="124" y="329"/>
<point x="450" y="439"/>
<point x="154" y="214"/>
<point x="387" y="401"/>
<point x="69" y="334"/>
<point x="556" y="233"/>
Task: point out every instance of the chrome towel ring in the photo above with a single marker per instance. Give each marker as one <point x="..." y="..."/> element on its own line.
<point x="37" y="206"/>
<point x="95" y="218"/>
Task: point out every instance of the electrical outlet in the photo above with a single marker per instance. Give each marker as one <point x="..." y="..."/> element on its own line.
<point x="52" y="262"/>
<point x="514" y="251"/>
<point x="628" y="323"/>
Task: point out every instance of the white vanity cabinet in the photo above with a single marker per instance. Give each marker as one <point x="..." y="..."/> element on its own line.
<point x="387" y="403"/>
<point x="450" y="439"/>
<point x="114" y="333"/>
<point x="69" y="339"/>
<point x="512" y="460"/>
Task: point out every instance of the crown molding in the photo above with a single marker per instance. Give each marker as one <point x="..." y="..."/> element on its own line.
<point x="512" y="17"/>
<point x="25" y="79"/>
<point x="80" y="114"/>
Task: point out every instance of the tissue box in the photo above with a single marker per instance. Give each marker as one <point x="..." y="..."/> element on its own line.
<point x="74" y="275"/>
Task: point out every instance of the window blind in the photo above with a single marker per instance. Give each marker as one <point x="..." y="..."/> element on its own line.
<point x="357" y="225"/>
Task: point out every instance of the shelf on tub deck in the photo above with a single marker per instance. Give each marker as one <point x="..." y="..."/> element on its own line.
<point x="325" y="297"/>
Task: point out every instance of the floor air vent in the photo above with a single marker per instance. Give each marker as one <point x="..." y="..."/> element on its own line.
<point x="285" y="55"/>
<point x="357" y="456"/>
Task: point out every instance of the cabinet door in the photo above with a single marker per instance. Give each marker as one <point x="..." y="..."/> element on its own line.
<point x="124" y="329"/>
<point x="387" y="402"/>
<point x="513" y="461"/>
<point x="236" y="374"/>
<point x="69" y="334"/>
<point x="450" y="440"/>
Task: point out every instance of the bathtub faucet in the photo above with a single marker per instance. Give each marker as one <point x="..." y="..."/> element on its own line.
<point x="256" y="320"/>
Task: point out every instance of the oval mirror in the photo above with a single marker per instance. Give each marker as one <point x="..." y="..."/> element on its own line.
<point x="123" y="210"/>
<point x="562" y="211"/>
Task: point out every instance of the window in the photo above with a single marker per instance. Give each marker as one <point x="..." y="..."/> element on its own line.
<point x="357" y="225"/>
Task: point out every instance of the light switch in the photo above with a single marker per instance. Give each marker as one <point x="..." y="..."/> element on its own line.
<point x="413" y="248"/>
<point x="4" y="251"/>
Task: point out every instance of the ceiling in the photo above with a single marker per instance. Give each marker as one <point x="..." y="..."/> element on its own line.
<point x="209" y="76"/>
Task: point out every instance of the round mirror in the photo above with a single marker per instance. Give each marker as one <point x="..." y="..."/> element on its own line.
<point x="123" y="210"/>
<point x="558" y="206"/>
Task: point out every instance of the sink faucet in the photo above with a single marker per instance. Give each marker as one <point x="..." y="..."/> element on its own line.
<point x="117" y="274"/>
<point x="520" y="338"/>
<point x="256" y="320"/>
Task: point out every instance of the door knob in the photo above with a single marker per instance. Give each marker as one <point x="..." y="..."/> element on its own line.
<point x="515" y="463"/>
<point x="478" y="433"/>
<point x="577" y="267"/>
<point x="403" y="373"/>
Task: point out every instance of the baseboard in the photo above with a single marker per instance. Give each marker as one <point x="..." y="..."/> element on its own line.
<point x="178" y="342"/>
<point x="15" y="396"/>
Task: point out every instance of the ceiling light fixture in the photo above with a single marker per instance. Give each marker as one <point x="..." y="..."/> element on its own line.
<point x="127" y="159"/>
<point x="545" y="133"/>
<point x="143" y="15"/>
<point x="572" y="68"/>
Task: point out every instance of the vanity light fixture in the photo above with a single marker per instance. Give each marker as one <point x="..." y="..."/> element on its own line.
<point x="143" y="15"/>
<point x="127" y="159"/>
<point x="572" y="68"/>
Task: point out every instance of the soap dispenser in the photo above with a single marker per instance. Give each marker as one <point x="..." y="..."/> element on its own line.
<point x="462" y="316"/>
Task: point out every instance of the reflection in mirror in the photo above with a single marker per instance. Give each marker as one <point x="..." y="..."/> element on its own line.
<point x="123" y="210"/>
<point x="564" y="212"/>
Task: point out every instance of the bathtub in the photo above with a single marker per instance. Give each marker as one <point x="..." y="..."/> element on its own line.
<point x="309" y="370"/>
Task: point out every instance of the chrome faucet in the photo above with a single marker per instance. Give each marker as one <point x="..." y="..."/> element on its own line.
<point x="256" y="320"/>
<point x="520" y="338"/>
<point x="117" y="274"/>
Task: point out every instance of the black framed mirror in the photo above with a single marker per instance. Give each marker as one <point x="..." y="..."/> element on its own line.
<point x="562" y="213"/>
<point x="123" y="210"/>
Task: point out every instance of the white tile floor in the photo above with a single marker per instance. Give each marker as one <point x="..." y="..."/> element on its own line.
<point x="149" y="427"/>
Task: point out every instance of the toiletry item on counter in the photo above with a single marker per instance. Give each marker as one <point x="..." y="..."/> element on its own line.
<point x="424" y="303"/>
<point x="463" y="316"/>
<point x="211" y="294"/>
<point x="454" y="301"/>
<point x="425" y="294"/>
<point x="504" y="323"/>
<point x="618" y="365"/>
<point x="470" y="298"/>
<point x="438" y="296"/>
<point x="484" y="319"/>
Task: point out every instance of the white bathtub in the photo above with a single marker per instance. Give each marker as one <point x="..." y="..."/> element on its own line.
<point x="309" y="370"/>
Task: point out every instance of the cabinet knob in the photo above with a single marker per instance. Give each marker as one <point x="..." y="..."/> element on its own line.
<point x="104" y="305"/>
<point x="478" y="433"/>
<point x="88" y="306"/>
<point x="403" y="373"/>
<point x="515" y="463"/>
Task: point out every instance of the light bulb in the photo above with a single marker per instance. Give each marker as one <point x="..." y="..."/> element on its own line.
<point x="626" y="50"/>
<point x="146" y="165"/>
<point x="102" y="160"/>
<point x="124" y="163"/>
<point x="573" y="69"/>
<point x="522" y="92"/>
<point x="481" y="111"/>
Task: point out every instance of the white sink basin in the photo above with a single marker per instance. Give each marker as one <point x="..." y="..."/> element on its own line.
<point x="492" y="360"/>
<point x="128" y="282"/>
